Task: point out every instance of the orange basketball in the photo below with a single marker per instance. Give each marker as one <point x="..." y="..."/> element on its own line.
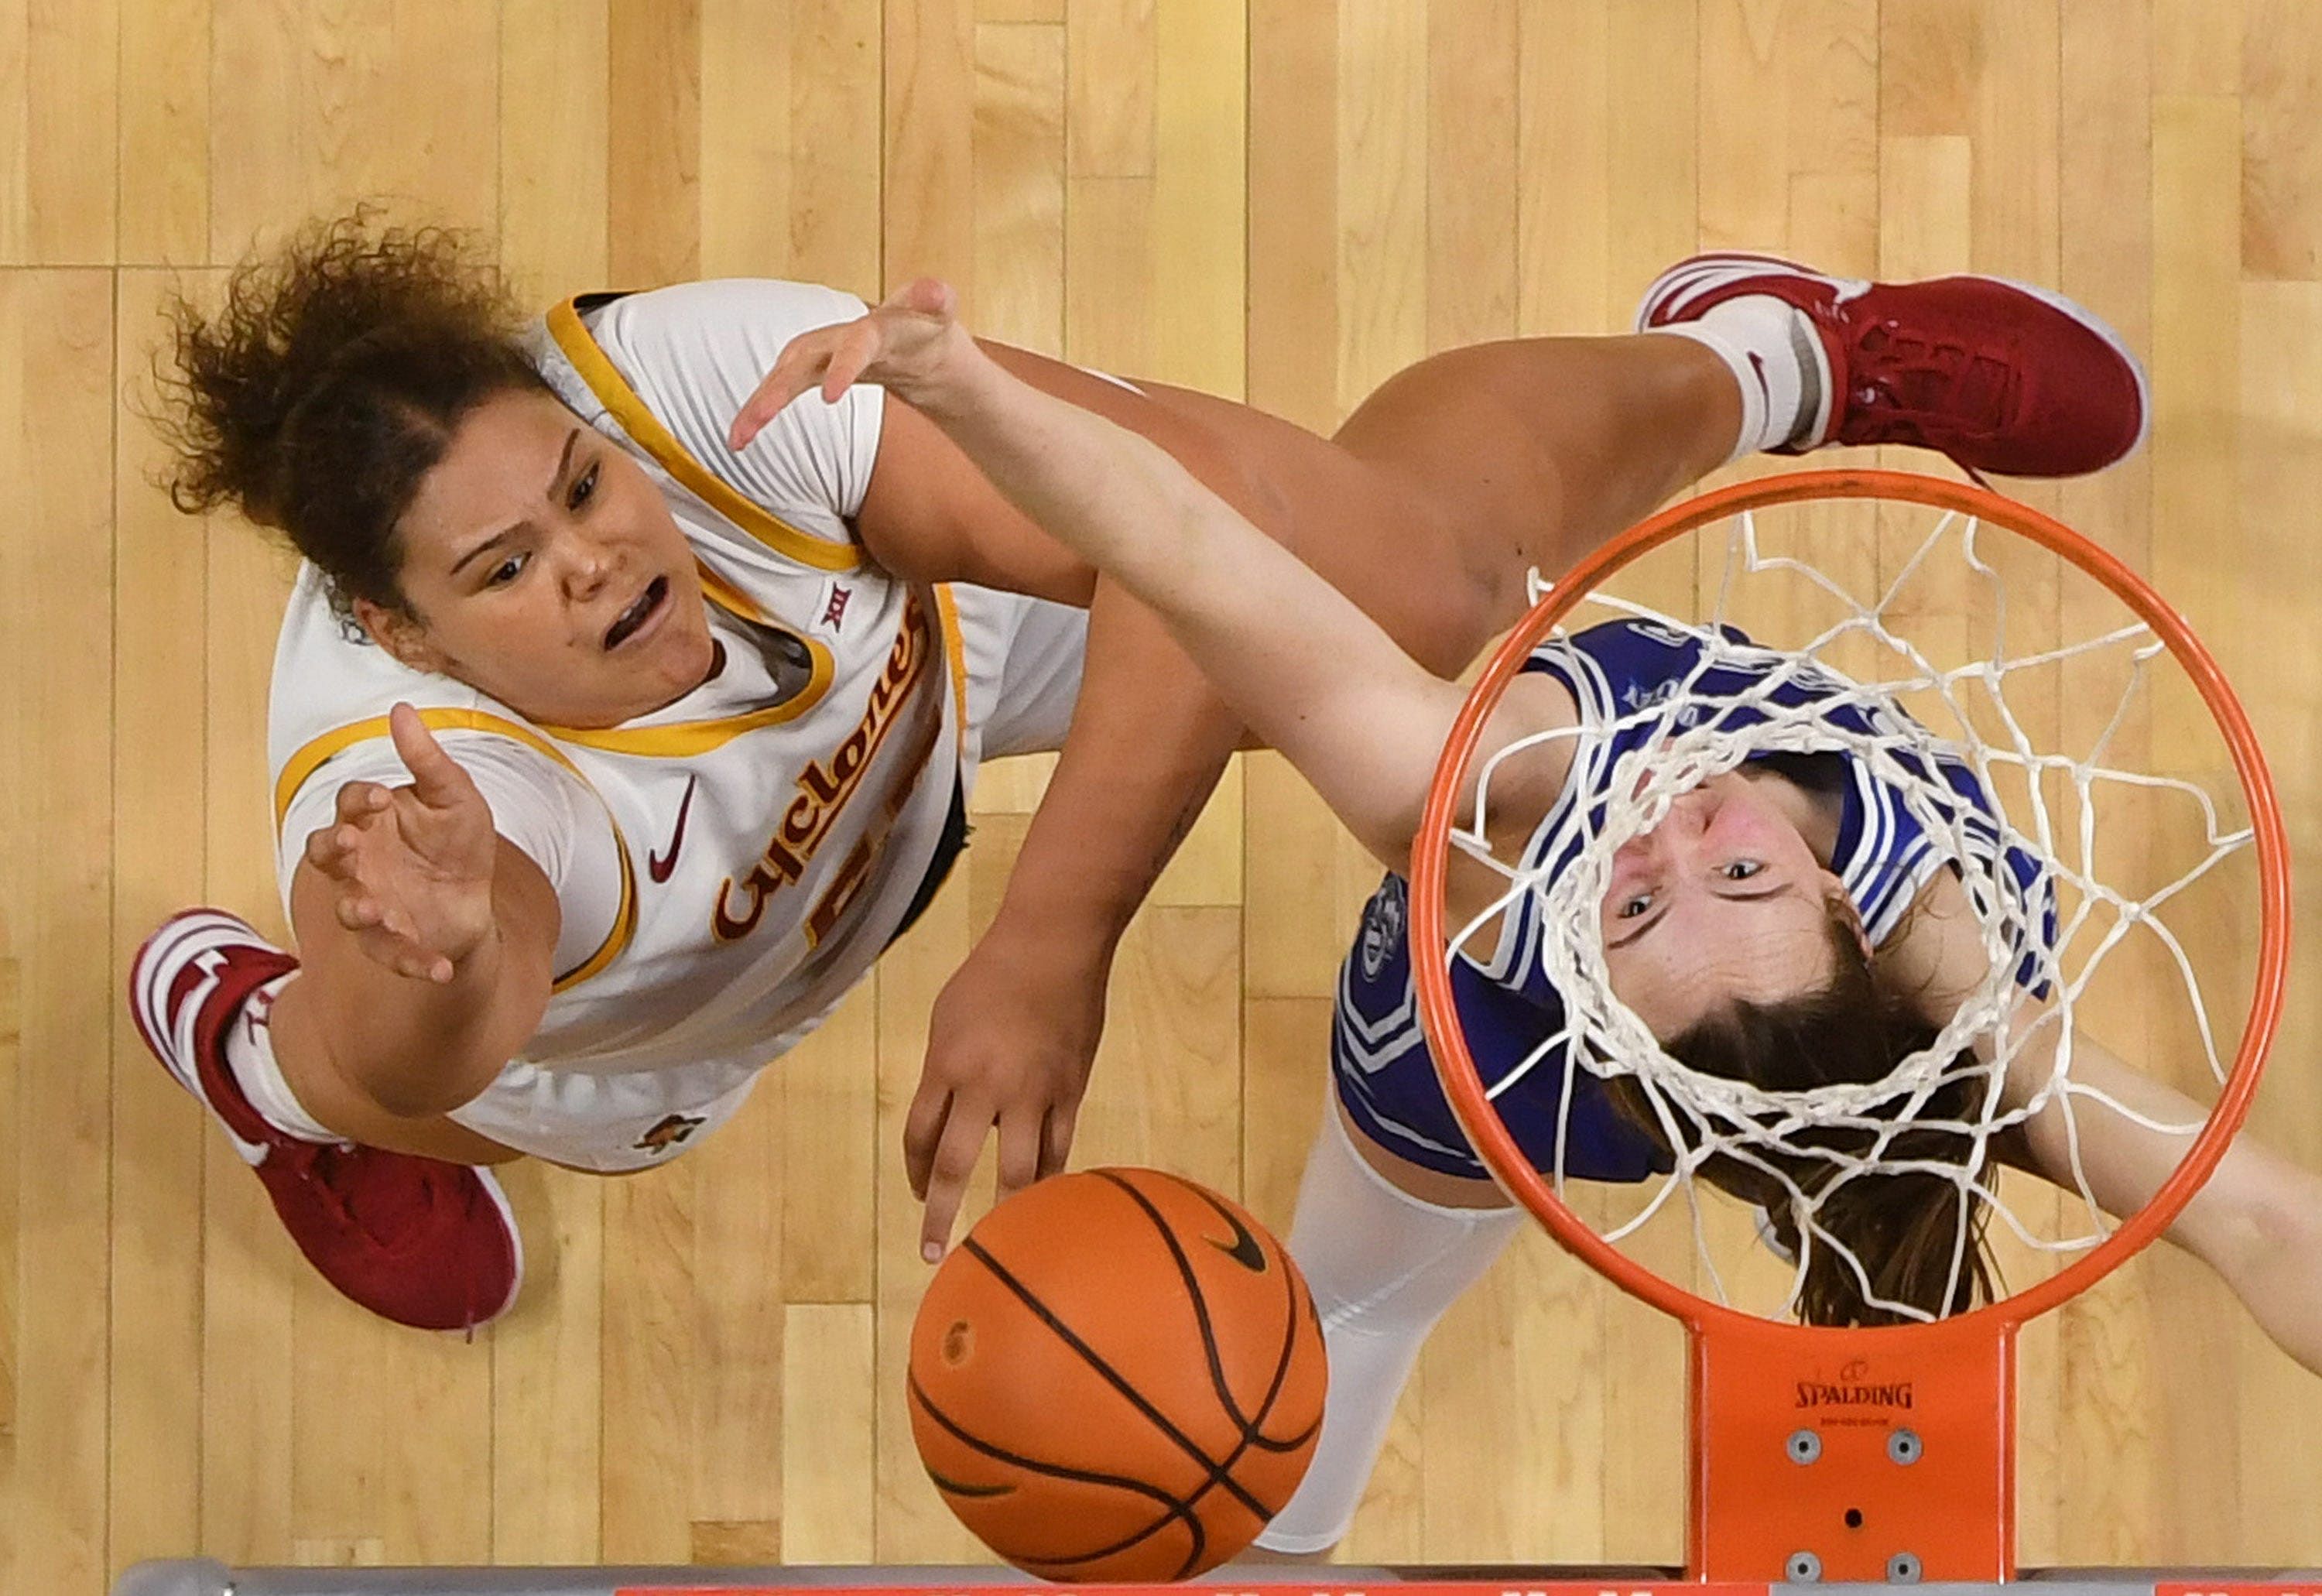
<point x="1118" y="1376"/>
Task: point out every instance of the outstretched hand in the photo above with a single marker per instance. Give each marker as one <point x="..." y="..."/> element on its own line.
<point x="1009" y="1045"/>
<point x="907" y="344"/>
<point x="411" y="866"/>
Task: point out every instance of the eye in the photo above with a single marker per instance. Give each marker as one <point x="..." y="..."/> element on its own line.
<point x="1634" y="905"/>
<point x="1741" y="870"/>
<point x="507" y="571"/>
<point x="583" y="490"/>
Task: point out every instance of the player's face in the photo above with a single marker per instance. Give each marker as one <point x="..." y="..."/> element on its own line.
<point x="544" y="568"/>
<point x="1721" y="900"/>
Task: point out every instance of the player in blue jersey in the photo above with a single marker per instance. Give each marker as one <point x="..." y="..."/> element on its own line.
<point x="1784" y="924"/>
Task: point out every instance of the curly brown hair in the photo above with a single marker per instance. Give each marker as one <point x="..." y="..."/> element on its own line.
<point x="330" y="382"/>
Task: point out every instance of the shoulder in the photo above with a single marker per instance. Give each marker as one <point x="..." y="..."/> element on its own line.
<point x="668" y="368"/>
<point x="693" y="320"/>
<point x="1936" y="953"/>
<point x="1620" y="666"/>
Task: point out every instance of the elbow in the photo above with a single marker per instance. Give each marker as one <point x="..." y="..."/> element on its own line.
<point x="2265" y="1240"/>
<point x="428" y="1091"/>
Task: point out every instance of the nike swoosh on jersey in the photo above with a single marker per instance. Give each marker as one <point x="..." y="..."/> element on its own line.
<point x="657" y="866"/>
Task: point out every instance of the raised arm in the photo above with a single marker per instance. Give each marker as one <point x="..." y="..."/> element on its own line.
<point x="425" y="941"/>
<point x="1268" y="640"/>
<point x="2257" y="1220"/>
<point x="1307" y="670"/>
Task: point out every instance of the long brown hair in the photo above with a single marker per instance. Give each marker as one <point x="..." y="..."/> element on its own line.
<point x="329" y="383"/>
<point x="1904" y="1226"/>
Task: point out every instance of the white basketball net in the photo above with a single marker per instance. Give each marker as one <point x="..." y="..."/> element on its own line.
<point x="2050" y="812"/>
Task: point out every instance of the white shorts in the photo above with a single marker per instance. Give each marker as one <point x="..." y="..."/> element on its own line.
<point x="1022" y="659"/>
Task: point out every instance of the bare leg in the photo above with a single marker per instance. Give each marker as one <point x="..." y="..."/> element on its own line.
<point x="1462" y="472"/>
<point x="1538" y="449"/>
<point x="302" y="1051"/>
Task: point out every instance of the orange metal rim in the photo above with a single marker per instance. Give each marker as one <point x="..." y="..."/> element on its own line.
<point x="1438" y="1015"/>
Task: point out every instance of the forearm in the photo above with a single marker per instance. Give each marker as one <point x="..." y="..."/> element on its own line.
<point x="2256" y="1220"/>
<point x="2269" y="1252"/>
<point x="413" y="1047"/>
<point x="1149" y="739"/>
<point x="1118" y="500"/>
<point x="1287" y="653"/>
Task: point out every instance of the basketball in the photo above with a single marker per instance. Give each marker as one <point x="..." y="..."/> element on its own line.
<point x="1118" y="1376"/>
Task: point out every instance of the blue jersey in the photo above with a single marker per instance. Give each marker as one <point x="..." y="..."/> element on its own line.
<point x="1631" y="681"/>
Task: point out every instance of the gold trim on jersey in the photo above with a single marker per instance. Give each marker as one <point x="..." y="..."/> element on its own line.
<point x="685" y="739"/>
<point x="725" y="596"/>
<point x="314" y="755"/>
<point x="614" y="392"/>
<point x="954" y="643"/>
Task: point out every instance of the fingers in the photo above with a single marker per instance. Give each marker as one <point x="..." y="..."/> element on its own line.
<point x="437" y="778"/>
<point x="923" y="1123"/>
<point x="360" y="799"/>
<point x="1021" y="1136"/>
<point x="858" y="346"/>
<point x="388" y="938"/>
<point x="796" y="370"/>
<point x="331" y="849"/>
<point x="1057" y="1137"/>
<point x="948" y="1172"/>
<point x="834" y="359"/>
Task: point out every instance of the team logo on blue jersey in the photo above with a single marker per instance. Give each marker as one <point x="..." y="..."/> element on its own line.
<point x="1383" y="925"/>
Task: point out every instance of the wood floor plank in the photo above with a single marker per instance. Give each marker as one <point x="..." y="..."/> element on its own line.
<point x="56" y="428"/>
<point x="158" y="822"/>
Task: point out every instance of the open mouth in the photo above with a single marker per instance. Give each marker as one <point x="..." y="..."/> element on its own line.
<point x="632" y="620"/>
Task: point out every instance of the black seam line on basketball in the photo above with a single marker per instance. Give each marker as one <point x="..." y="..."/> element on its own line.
<point x="1219" y="1385"/>
<point x="1251" y="1433"/>
<point x="962" y="1488"/>
<point x="1294" y="1292"/>
<point x="1298" y="1297"/>
<point x="1192" y="1557"/>
<point x="1251" y="1428"/>
<point x="1111" y="1376"/>
<point x="1176" y="1509"/>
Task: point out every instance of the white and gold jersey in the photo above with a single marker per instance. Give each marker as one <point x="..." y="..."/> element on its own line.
<point x="730" y="865"/>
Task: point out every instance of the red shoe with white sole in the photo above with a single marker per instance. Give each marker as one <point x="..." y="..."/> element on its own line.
<point x="2003" y="379"/>
<point x="417" y="1240"/>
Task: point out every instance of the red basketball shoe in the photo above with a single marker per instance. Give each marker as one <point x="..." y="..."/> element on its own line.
<point x="2002" y="378"/>
<point x="424" y="1242"/>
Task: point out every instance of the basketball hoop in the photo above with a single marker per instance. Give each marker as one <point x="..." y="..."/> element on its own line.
<point x="1888" y="1452"/>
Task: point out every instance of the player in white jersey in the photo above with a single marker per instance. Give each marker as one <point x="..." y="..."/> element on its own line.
<point x="729" y="865"/>
<point x="1771" y="890"/>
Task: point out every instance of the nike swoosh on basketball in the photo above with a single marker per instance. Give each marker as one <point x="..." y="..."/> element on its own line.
<point x="657" y="866"/>
<point x="1245" y="1250"/>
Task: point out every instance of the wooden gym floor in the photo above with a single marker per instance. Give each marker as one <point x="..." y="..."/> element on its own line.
<point x="1284" y="200"/>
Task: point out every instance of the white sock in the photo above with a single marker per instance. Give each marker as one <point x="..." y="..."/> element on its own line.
<point x="250" y="1055"/>
<point x="1778" y="364"/>
<point x="1382" y="1267"/>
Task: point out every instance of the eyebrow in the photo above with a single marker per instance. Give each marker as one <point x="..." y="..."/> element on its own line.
<point x="564" y="465"/>
<point x="1634" y="936"/>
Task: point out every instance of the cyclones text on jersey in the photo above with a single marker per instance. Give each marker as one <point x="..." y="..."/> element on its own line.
<point x="825" y="786"/>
